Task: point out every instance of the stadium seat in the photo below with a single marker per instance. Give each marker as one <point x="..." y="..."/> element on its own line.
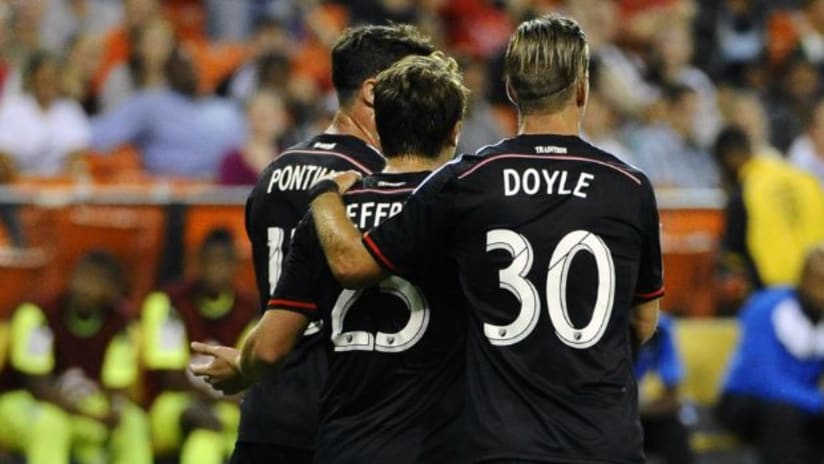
<point x="20" y="272"/>
<point x="201" y="219"/>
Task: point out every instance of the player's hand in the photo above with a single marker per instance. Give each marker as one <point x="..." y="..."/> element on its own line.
<point x="345" y="180"/>
<point x="222" y="372"/>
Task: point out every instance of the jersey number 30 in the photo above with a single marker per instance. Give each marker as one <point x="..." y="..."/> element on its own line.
<point x="513" y="279"/>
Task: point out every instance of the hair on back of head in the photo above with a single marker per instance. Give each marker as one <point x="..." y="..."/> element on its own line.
<point x="108" y="264"/>
<point x="218" y="237"/>
<point x="732" y="140"/>
<point x="545" y="59"/>
<point x="364" y="51"/>
<point x="418" y="102"/>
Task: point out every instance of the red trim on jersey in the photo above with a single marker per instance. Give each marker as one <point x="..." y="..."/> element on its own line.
<point x="291" y="304"/>
<point x="332" y="153"/>
<point x="377" y="251"/>
<point x="654" y="294"/>
<point x="400" y="190"/>
<point x="550" y="157"/>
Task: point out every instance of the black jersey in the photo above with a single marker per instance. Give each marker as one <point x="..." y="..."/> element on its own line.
<point x="282" y="409"/>
<point x="555" y="242"/>
<point x="396" y="351"/>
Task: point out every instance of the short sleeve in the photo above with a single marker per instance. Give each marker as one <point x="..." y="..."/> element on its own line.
<point x="650" y="283"/>
<point x="297" y="287"/>
<point x="403" y="243"/>
<point x="32" y="341"/>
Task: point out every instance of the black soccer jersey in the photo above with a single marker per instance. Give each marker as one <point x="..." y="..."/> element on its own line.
<point x="555" y="242"/>
<point x="397" y="351"/>
<point x="282" y="409"/>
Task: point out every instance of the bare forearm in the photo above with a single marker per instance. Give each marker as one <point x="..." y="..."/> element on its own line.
<point x="644" y="321"/>
<point x="348" y="259"/>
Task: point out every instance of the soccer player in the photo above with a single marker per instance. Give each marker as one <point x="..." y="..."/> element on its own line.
<point x="279" y="414"/>
<point x="557" y="244"/>
<point x="395" y="387"/>
<point x="72" y="360"/>
<point x="772" y="396"/>
<point x="187" y="417"/>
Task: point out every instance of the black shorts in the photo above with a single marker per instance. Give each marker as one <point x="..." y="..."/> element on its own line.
<point x="261" y="453"/>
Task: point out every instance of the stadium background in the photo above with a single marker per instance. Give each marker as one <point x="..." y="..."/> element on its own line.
<point x="750" y="62"/>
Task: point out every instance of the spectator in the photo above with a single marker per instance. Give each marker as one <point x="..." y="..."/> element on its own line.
<point x="177" y="133"/>
<point x="117" y="41"/>
<point x="64" y="395"/>
<point x="771" y="396"/>
<point x="774" y="214"/>
<point x="269" y="66"/>
<point x="807" y="151"/>
<point x="63" y="21"/>
<point x="792" y="101"/>
<point x="601" y="126"/>
<point x="82" y="60"/>
<point x="186" y="415"/>
<point x="40" y="132"/>
<point x="664" y="434"/>
<point x="145" y="69"/>
<point x="747" y="112"/>
<point x="480" y="127"/>
<point x="671" y="66"/>
<point x="266" y="119"/>
<point x="666" y="150"/>
<point x="731" y="35"/>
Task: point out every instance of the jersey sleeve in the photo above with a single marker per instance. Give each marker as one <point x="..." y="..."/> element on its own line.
<point x="297" y="287"/>
<point x="650" y="283"/>
<point x="403" y="243"/>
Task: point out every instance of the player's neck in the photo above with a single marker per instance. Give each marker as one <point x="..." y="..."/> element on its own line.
<point x="352" y="121"/>
<point x="565" y="122"/>
<point x="411" y="163"/>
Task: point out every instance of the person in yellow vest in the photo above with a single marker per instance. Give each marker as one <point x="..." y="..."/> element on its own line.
<point x="775" y="213"/>
<point x="71" y="362"/>
<point x="187" y="417"/>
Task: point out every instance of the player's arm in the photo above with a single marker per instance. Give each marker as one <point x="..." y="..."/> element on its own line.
<point x="267" y="345"/>
<point x="349" y="260"/>
<point x="644" y="320"/>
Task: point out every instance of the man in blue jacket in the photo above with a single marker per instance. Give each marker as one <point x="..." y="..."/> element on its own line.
<point x="771" y="396"/>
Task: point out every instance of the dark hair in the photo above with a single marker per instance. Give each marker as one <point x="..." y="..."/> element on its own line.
<point x="731" y="140"/>
<point x="545" y="59"/>
<point x="181" y="73"/>
<point x="674" y="92"/>
<point x="364" y="51"/>
<point x="108" y="264"/>
<point x="418" y="101"/>
<point x="218" y="237"/>
<point x="135" y="63"/>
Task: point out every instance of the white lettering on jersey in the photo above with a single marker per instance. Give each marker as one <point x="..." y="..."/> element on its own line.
<point x="533" y="181"/>
<point x="547" y="149"/>
<point x="324" y="146"/>
<point x="297" y="177"/>
<point x="370" y="214"/>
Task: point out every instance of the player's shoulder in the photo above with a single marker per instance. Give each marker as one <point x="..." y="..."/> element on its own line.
<point x="338" y="151"/>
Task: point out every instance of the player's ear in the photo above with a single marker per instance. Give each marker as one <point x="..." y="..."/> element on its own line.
<point x="455" y="135"/>
<point x="582" y="91"/>
<point x="367" y="92"/>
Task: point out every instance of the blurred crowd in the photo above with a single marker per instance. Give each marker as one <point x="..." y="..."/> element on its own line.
<point x="211" y="90"/>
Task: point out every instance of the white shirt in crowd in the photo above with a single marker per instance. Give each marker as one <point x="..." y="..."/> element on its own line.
<point x="803" y="155"/>
<point x="39" y="141"/>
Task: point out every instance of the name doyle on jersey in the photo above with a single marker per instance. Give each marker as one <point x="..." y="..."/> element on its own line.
<point x="533" y="181"/>
<point x="297" y="177"/>
<point x="370" y="214"/>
